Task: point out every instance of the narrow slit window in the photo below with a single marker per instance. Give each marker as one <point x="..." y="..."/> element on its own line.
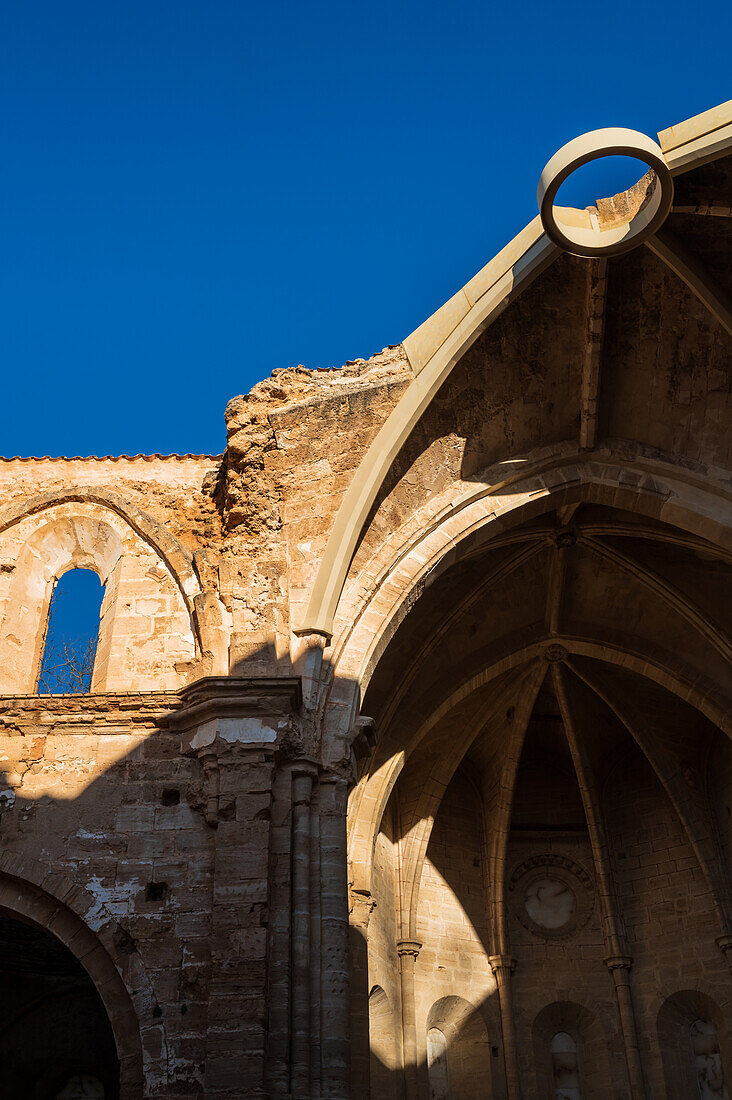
<point x="72" y="633"/>
<point x="565" y="1064"/>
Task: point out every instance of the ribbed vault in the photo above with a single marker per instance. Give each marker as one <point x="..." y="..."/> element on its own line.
<point x="590" y="643"/>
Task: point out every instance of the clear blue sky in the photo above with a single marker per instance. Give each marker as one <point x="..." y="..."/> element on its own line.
<point x="193" y="193"/>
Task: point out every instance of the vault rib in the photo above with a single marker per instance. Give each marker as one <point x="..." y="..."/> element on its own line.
<point x="644" y="531"/>
<point x="612" y="922"/>
<point x="691" y="272"/>
<point x="417" y="817"/>
<point x="616" y="944"/>
<point x="498" y="822"/>
<point x="555" y="589"/>
<point x="691" y="812"/>
<point x="499" y="573"/>
<point x="594" y="333"/>
<point x="670" y="595"/>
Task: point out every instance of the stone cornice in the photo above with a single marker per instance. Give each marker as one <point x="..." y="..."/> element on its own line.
<point x="210" y="698"/>
<point x="106" y="712"/>
<point x="229" y="697"/>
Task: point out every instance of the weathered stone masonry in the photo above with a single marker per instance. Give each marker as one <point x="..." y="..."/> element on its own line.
<point x="406" y="767"/>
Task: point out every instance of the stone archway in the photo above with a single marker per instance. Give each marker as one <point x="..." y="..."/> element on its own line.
<point x="83" y="962"/>
<point x="592" y="630"/>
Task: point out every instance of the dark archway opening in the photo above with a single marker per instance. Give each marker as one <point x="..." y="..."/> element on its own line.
<point x="55" y="1036"/>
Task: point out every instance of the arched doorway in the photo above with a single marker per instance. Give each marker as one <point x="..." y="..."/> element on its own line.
<point x="55" y="1036"/>
<point x="58" y="929"/>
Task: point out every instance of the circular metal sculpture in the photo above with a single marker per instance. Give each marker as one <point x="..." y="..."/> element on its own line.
<point x="582" y="235"/>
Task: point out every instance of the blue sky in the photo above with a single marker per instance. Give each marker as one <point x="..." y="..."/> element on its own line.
<point x="195" y="193"/>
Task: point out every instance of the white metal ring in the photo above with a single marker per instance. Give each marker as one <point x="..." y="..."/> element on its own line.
<point x="588" y="239"/>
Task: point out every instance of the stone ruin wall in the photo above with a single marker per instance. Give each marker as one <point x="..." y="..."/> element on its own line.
<point x="163" y="848"/>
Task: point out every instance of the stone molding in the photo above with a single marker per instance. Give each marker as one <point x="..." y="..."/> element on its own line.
<point x="502" y="963"/>
<point x="220" y="697"/>
<point x="211" y="698"/>
<point x="618" y="962"/>
<point x="409" y="948"/>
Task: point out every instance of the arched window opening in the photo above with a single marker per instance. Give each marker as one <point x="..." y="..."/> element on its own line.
<point x="437" y="1065"/>
<point x="708" y="1061"/>
<point x="72" y="632"/>
<point x="565" y="1065"/>
<point x="82" y="1087"/>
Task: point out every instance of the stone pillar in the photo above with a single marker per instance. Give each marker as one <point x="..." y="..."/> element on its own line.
<point x="278" y="988"/>
<point x="361" y="908"/>
<point x="315" y="949"/>
<point x="302" y="773"/>
<point x="334" y="970"/>
<point x="619" y="966"/>
<point x="503" y="967"/>
<point x="236" y="1002"/>
<point x="408" y="950"/>
<point x="231" y="726"/>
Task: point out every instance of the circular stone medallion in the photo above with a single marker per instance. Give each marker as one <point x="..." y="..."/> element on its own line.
<point x="551" y="896"/>
<point x="550" y="902"/>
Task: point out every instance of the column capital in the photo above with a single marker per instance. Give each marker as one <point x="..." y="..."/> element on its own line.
<point x="361" y="907"/>
<point x="303" y="765"/>
<point x="408" y="947"/>
<point x="618" y="962"/>
<point x="502" y="962"/>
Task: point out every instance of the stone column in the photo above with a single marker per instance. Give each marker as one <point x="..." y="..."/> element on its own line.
<point x="280" y="893"/>
<point x="361" y="908"/>
<point x="302" y="773"/>
<point x="503" y="967"/>
<point x="239" y="785"/>
<point x="231" y="727"/>
<point x="315" y="950"/>
<point x="408" y="950"/>
<point x="334" y="970"/>
<point x="619" y="966"/>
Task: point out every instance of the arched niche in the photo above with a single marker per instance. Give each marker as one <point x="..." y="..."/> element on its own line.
<point x="571" y="1051"/>
<point x="694" y="1042"/>
<point x="145" y="627"/>
<point x="565" y="1067"/>
<point x="459" y="1052"/>
<point x="383" y="1061"/>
